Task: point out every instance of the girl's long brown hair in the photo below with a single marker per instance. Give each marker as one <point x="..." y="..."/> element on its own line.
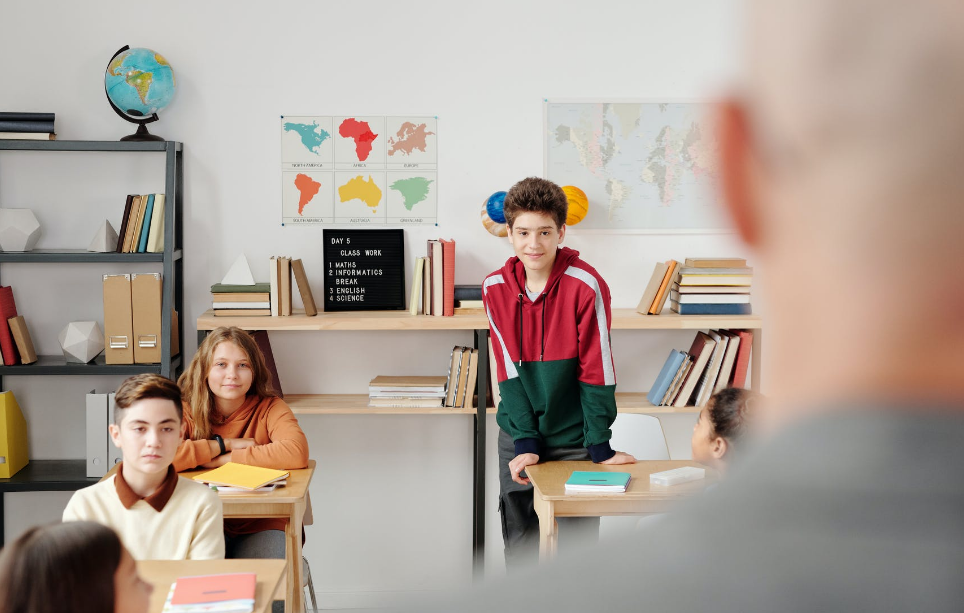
<point x="194" y="380"/>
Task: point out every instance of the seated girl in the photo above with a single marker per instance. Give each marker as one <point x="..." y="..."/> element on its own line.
<point x="720" y="432"/>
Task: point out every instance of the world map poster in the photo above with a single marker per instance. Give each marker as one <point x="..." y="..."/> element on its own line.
<point x="644" y="166"/>
<point x="359" y="170"/>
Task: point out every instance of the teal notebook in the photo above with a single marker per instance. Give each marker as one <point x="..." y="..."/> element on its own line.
<point x="592" y="481"/>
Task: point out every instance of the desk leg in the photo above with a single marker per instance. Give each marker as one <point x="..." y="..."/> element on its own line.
<point x="293" y="549"/>
<point x="548" y="528"/>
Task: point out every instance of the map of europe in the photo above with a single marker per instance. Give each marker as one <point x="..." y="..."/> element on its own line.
<point x="312" y="135"/>
<point x="366" y="191"/>
<point x="410" y="137"/>
<point x="413" y="190"/>
<point x="642" y="165"/>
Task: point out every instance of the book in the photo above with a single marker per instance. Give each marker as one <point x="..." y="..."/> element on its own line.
<point x="21" y="336"/>
<point x="303" y="288"/>
<point x="470" y="385"/>
<point x="468" y="292"/>
<point x="26" y="125"/>
<point x="729" y="359"/>
<point x="26" y="116"/>
<point x="711" y="309"/>
<point x="241" y="297"/>
<point x="665" y="376"/>
<point x="675" y="476"/>
<point x="675" y="296"/>
<point x="435" y="257"/>
<point x="463" y="379"/>
<point x="453" y="377"/>
<point x="242" y="312"/>
<point x="742" y="363"/>
<point x="131" y="222"/>
<point x="228" y="489"/>
<point x="155" y="236"/>
<point x="649" y="294"/>
<point x="711" y="289"/>
<point x="138" y="222"/>
<point x="241" y="475"/>
<point x="226" y="593"/>
<point x="124" y="221"/>
<point x="225" y="288"/>
<point x="426" y="286"/>
<point x="469" y="304"/>
<point x="714" y="262"/>
<point x="284" y="285"/>
<point x="695" y="270"/>
<point x="8" y="309"/>
<point x="274" y="269"/>
<point x="472" y="311"/>
<point x="240" y="304"/>
<point x="597" y="481"/>
<point x="27" y="136"/>
<point x="663" y="291"/>
<point x="428" y="403"/>
<point x="448" y="277"/>
<point x="692" y="279"/>
<point x="145" y="225"/>
<point x="407" y="384"/>
<point x="673" y="389"/>
<point x="416" y="292"/>
<point x="708" y="381"/>
<point x="700" y="350"/>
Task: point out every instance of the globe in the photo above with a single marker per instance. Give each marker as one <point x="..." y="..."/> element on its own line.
<point x="493" y="217"/>
<point x="139" y="83"/>
<point x="578" y="204"/>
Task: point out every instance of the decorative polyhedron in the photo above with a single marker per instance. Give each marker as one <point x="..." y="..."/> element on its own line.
<point x="82" y="341"/>
<point x="19" y="230"/>
<point x="105" y="240"/>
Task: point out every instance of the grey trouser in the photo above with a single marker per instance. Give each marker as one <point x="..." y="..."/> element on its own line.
<point x="520" y="524"/>
<point x="264" y="545"/>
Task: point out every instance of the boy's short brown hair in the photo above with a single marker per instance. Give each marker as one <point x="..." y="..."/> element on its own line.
<point x="535" y="195"/>
<point x="144" y="387"/>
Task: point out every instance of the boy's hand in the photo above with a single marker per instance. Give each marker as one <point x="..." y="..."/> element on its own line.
<point x="238" y="443"/>
<point x="519" y="463"/>
<point x="621" y="457"/>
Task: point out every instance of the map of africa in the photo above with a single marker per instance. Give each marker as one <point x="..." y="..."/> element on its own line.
<point x="366" y="191"/>
<point x="312" y="135"/>
<point x="307" y="188"/>
<point x="410" y="137"/>
<point x="413" y="190"/>
<point x="361" y="133"/>
<point x="642" y="165"/>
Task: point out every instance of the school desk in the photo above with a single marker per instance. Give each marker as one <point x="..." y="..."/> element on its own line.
<point x="640" y="498"/>
<point x="162" y="573"/>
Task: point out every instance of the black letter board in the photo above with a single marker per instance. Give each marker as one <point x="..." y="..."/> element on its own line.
<point x="365" y="270"/>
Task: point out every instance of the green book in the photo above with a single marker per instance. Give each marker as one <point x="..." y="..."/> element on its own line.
<point x="597" y="481"/>
<point x="221" y="288"/>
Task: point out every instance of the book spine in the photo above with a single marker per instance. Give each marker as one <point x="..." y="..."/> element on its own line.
<point x="18" y="116"/>
<point x="26" y="126"/>
<point x="8" y="309"/>
<point x="468" y="292"/>
<point x="448" y="277"/>
<point x="712" y="309"/>
<point x="124" y="222"/>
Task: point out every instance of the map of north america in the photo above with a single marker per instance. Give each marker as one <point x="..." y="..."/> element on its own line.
<point x="312" y="135"/>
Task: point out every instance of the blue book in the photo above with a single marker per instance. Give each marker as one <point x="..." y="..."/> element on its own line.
<point x="665" y="377"/>
<point x="711" y="309"/>
<point x="146" y="225"/>
<point x="597" y="481"/>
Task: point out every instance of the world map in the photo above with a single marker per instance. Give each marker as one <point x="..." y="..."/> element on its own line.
<point x="308" y="188"/>
<point x="413" y="190"/>
<point x="410" y="137"/>
<point x="642" y="165"/>
<point x="361" y="133"/>
<point x="312" y="135"/>
<point x="366" y="191"/>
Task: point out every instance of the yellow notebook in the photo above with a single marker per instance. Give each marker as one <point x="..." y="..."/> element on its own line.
<point x="241" y="475"/>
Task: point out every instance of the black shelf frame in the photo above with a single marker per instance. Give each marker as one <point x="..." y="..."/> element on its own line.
<point x="69" y="475"/>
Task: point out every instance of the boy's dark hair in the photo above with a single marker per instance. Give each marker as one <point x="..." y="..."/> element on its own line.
<point x="143" y="387"/>
<point x="535" y="195"/>
<point x="730" y="413"/>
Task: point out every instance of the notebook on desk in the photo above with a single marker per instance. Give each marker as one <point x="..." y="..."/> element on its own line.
<point x="598" y="482"/>
<point x="241" y="476"/>
<point x="227" y="593"/>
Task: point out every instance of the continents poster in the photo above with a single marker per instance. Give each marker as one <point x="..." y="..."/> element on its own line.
<point x="644" y="166"/>
<point x="359" y="170"/>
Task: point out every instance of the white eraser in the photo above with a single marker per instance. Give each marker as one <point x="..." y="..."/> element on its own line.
<point x="678" y="475"/>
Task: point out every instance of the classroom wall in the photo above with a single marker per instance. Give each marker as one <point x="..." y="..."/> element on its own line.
<point x="392" y="497"/>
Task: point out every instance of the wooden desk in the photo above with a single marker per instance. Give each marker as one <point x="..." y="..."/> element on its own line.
<point x="162" y="573"/>
<point x="551" y="501"/>
<point x="288" y="502"/>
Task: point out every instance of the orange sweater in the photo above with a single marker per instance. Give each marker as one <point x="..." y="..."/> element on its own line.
<point x="279" y="443"/>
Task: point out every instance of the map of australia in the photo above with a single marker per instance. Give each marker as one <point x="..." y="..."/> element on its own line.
<point x="312" y="135"/>
<point x="308" y="188"/>
<point x="410" y="137"/>
<point x="361" y="133"/>
<point x="366" y="191"/>
<point x="413" y="190"/>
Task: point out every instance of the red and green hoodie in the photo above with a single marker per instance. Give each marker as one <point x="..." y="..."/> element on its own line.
<point x="554" y="361"/>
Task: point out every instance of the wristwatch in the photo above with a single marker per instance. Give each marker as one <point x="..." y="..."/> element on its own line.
<point x="220" y="441"/>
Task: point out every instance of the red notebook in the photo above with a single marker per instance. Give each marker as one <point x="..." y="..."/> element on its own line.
<point x="448" y="277"/>
<point x="8" y="309"/>
<point x="214" y="588"/>
<point x="742" y="358"/>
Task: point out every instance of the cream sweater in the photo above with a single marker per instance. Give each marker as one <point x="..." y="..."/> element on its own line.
<point x="190" y="526"/>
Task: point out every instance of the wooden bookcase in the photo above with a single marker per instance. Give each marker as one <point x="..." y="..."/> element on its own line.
<point x="401" y="321"/>
<point x="67" y="475"/>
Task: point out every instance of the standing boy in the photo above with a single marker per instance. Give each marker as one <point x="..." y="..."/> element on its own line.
<point x="159" y="515"/>
<point x="549" y="318"/>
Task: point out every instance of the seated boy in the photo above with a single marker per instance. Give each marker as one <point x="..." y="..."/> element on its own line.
<point x="159" y="515"/>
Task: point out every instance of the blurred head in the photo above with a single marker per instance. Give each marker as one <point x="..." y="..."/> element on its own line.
<point x="227" y="368"/>
<point x="76" y="566"/>
<point x="535" y="212"/>
<point x="721" y="430"/>
<point x="147" y="422"/>
<point x="841" y="159"/>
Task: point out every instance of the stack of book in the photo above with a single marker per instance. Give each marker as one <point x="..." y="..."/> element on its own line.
<point x="597" y="482"/>
<point x="241" y="300"/>
<point x="27" y="126"/>
<point x="142" y="227"/>
<point x="16" y="346"/>
<point x="437" y="279"/>
<point x="227" y="593"/>
<point x="427" y="392"/>
<point x="715" y="360"/>
<point x="657" y="291"/>
<point x="468" y="300"/>
<point x="281" y="269"/>
<point x="463" y="374"/>
<point x="712" y="286"/>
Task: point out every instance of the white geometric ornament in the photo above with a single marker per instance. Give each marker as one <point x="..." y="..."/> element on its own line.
<point x="82" y="341"/>
<point x="19" y="230"/>
<point x="239" y="274"/>
<point x="105" y="241"/>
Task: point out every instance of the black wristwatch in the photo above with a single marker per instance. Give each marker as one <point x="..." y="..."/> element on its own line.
<point x="220" y="441"/>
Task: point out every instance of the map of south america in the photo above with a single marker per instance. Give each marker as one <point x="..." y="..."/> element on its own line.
<point x="361" y="133"/>
<point x="307" y="188"/>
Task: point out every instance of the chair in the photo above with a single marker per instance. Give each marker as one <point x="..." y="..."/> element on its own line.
<point x="305" y="568"/>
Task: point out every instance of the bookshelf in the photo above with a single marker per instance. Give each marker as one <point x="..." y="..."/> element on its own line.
<point x="68" y="475"/>
<point x="402" y="321"/>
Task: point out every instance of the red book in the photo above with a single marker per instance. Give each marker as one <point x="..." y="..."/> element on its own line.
<point x="8" y="309"/>
<point x="448" y="277"/>
<point x="214" y="588"/>
<point x="742" y="358"/>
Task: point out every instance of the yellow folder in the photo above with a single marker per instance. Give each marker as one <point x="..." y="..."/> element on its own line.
<point x="13" y="436"/>
<point x="241" y="475"/>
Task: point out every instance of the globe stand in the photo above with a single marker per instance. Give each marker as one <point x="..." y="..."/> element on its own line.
<point x="142" y="134"/>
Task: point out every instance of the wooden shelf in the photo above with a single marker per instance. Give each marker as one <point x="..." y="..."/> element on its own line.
<point x="357" y="404"/>
<point x="58" y="365"/>
<point x="623" y="319"/>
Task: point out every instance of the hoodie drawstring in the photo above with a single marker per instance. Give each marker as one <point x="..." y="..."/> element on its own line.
<point x="520" y="329"/>
<point x="542" y="351"/>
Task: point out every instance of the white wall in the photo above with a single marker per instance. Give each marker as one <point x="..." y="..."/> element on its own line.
<point x="392" y="496"/>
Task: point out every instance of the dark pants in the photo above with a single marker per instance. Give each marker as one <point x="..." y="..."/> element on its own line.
<point x="520" y="524"/>
<point x="264" y="545"/>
